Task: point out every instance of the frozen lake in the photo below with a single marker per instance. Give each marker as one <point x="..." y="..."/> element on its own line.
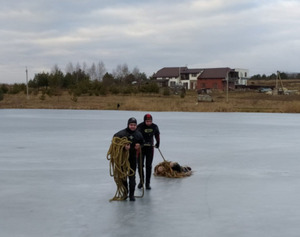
<point x="54" y="176"/>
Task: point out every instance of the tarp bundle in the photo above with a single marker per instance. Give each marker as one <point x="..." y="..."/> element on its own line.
<point x="172" y="170"/>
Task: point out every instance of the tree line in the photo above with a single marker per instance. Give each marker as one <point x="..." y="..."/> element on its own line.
<point x="80" y="80"/>
<point x="273" y="76"/>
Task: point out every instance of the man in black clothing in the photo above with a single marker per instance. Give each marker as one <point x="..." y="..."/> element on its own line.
<point x="136" y="139"/>
<point x="148" y="130"/>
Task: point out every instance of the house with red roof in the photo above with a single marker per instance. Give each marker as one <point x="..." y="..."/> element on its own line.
<point x="201" y="78"/>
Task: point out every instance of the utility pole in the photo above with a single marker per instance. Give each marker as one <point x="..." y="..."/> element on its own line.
<point x="281" y="89"/>
<point x="27" y="83"/>
<point x="227" y="85"/>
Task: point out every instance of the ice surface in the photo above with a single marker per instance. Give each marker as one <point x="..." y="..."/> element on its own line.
<point x="54" y="175"/>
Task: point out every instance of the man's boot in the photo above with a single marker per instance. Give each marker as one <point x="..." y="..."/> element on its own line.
<point x="140" y="185"/>
<point x="132" y="198"/>
<point x="131" y="195"/>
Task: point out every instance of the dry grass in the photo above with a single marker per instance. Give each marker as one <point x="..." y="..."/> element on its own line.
<point x="238" y="101"/>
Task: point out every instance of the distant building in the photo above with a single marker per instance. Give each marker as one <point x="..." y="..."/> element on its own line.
<point x="189" y="78"/>
<point x="243" y="77"/>
<point x="217" y="79"/>
<point x="201" y="78"/>
<point x="169" y="76"/>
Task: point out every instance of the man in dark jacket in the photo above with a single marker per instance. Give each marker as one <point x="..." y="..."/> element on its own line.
<point x="148" y="130"/>
<point x="136" y="139"/>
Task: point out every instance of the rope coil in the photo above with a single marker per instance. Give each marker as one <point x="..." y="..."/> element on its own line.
<point x="119" y="166"/>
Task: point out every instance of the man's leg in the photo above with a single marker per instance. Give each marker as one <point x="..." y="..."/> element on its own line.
<point x="141" y="161"/>
<point x="132" y="183"/>
<point x="149" y="160"/>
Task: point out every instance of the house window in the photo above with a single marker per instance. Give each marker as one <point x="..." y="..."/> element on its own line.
<point x="172" y="83"/>
<point x="194" y="75"/>
<point x="245" y="74"/>
<point x="215" y="85"/>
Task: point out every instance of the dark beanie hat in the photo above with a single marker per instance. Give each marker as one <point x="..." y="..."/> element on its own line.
<point x="132" y="120"/>
<point x="147" y="117"/>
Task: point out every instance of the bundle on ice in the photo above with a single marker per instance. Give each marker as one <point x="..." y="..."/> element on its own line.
<point x="119" y="166"/>
<point x="172" y="170"/>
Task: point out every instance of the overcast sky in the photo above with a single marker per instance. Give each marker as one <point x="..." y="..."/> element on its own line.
<point x="260" y="35"/>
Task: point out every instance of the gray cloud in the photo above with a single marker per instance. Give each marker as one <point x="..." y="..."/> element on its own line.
<point x="262" y="36"/>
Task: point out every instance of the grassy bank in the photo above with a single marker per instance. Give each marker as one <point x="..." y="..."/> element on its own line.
<point x="238" y="101"/>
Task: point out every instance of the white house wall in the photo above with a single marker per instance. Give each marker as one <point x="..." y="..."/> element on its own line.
<point x="186" y="84"/>
<point x="243" y="76"/>
<point x="173" y="82"/>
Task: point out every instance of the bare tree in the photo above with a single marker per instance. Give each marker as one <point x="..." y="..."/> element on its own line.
<point x="85" y="67"/>
<point x="69" y="68"/>
<point x="100" y="70"/>
<point x="55" y="69"/>
<point x="121" y="72"/>
<point x="78" y="67"/>
<point x="92" y="72"/>
<point x="136" y="73"/>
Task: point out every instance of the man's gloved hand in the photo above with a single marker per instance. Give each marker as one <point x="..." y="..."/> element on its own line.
<point x="156" y="145"/>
